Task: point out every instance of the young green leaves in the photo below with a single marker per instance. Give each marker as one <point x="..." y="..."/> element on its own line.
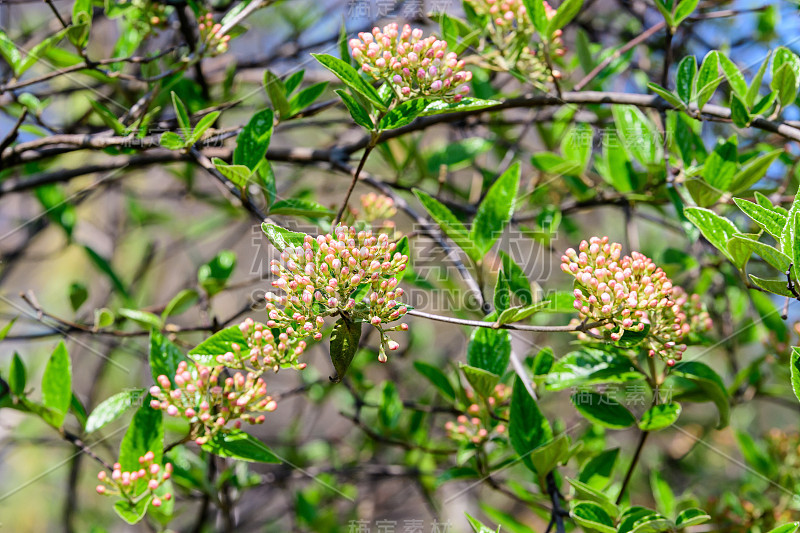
<point x="492" y="217"/>
<point x="188" y="135"/>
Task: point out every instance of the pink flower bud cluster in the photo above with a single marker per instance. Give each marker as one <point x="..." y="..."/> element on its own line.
<point x="478" y="425"/>
<point x="124" y="483"/>
<point x="412" y="65"/>
<point x="626" y="293"/>
<point x="211" y="402"/>
<point x="264" y="351"/>
<point x="210" y="35"/>
<point x="321" y="278"/>
<point x="377" y="206"/>
<point x="510" y="25"/>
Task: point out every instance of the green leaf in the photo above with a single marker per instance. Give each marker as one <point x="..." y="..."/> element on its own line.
<point x="253" y="141"/>
<point x="547" y="457"/>
<point x="130" y="512"/>
<point x="306" y="97"/>
<point x="214" y="275"/>
<point x="771" y="221"/>
<point x="180" y="303"/>
<point x="535" y="9"/>
<point x="592" y="517"/>
<point x="351" y="78"/>
<point x="708" y="78"/>
<point x="282" y="238"/>
<point x="489" y="349"/>
<point x="182" y="115"/>
<point x="597" y="472"/>
<point x="438" y="107"/>
<point x="448" y="223"/>
<point x="145" y="433"/>
<point x="734" y="76"/>
<point x="10" y="52"/>
<point x="517" y="314"/>
<point x="775" y="286"/>
<point x="666" y="12"/>
<point x="356" y="110"/>
<point x="603" y="410"/>
<point x="113" y="408"/>
<point x="755" y="83"/>
<point x="795" y="371"/>
<point x="145" y="319"/>
<point x="242" y="446"/>
<point x="564" y="15"/>
<point x="78" y="32"/>
<point x="277" y="94"/>
<point x="785" y="83"/>
<point x="219" y="343"/>
<point x="667" y="95"/>
<point x="108" y="118"/>
<point x="528" y="429"/>
<point x="687" y="70"/>
<point x="344" y="345"/>
<point x="17" y="377"/>
<point x="638" y="134"/>
<point x="662" y="493"/>
<point x="786" y="528"/>
<point x="659" y="417"/>
<point x="403" y="114"/>
<point x="683" y="10"/>
<point x="715" y="229"/>
<point x="438" y="378"/>
<point x="720" y="165"/>
<point x="391" y="406"/>
<point x="481" y="380"/>
<point x="589" y="366"/>
<point x="793" y="226"/>
<point x="78" y="294"/>
<point x="753" y="171"/>
<point x="739" y="114"/>
<point x="517" y="280"/>
<point x="57" y="385"/>
<point x="239" y="175"/>
<point x="710" y="383"/>
<point x="478" y="527"/>
<point x="495" y="210"/>
<point x="769" y="254"/>
<point x="297" y="207"/>
<point x="171" y="141"/>
<point x="502" y="294"/>
<point x="5" y="329"/>
<point x="203" y="125"/>
<point x="164" y="356"/>
<point x="587" y="493"/>
<point x="691" y="517"/>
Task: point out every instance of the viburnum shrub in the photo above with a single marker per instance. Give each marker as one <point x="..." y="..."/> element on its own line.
<point x="413" y="66"/>
<point x="124" y="483"/>
<point x="211" y="401"/>
<point x="416" y="184"/>
<point x="323" y="276"/>
<point x="631" y="295"/>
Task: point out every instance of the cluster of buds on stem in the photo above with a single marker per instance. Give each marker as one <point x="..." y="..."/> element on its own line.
<point x="377" y="210"/>
<point x="480" y="424"/>
<point x="128" y="484"/>
<point x="412" y="65"/>
<point x="630" y="293"/>
<point x="210" y="35"/>
<point x="211" y="402"/>
<point x="324" y="276"/>
<point x="156" y="14"/>
<point x="510" y="25"/>
<point x="264" y="350"/>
